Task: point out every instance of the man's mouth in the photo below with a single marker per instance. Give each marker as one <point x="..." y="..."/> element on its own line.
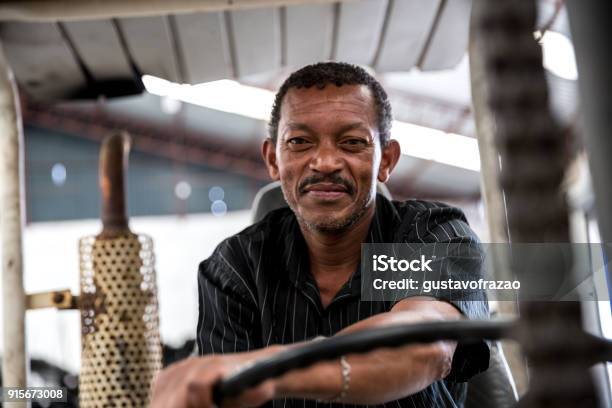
<point x="326" y="191"/>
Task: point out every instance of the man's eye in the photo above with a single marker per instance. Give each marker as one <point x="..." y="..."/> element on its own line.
<point x="296" y="140"/>
<point x="355" y="142"/>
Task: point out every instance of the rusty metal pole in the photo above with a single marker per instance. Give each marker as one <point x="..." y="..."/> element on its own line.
<point x="11" y="218"/>
<point x="121" y="348"/>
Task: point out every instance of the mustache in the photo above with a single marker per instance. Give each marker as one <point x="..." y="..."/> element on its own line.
<point x="331" y="178"/>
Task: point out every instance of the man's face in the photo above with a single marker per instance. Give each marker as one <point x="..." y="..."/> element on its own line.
<point x="327" y="155"/>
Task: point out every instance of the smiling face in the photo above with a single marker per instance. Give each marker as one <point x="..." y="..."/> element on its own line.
<point x="328" y="155"/>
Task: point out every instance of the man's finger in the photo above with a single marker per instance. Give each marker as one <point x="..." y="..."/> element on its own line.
<point x="253" y="397"/>
<point x="199" y="395"/>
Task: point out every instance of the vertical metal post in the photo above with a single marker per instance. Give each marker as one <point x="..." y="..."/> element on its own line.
<point x="591" y="32"/>
<point x="11" y="213"/>
<point x="533" y="159"/>
<point x="495" y="211"/>
<point x="489" y="157"/>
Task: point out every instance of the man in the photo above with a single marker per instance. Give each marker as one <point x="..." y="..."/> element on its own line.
<point x="295" y="275"/>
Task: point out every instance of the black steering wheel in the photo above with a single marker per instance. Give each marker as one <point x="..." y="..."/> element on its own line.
<point x="466" y="331"/>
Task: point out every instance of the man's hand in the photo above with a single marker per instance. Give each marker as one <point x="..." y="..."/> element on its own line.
<point x="189" y="383"/>
<point x="376" y="377"/>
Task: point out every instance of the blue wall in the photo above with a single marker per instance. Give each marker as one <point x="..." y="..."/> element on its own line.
<point x="151" y="181"/>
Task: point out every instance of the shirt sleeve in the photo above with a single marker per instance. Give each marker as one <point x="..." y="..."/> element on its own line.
<point x="438" y="223"/>
<point x="227" y="321"/>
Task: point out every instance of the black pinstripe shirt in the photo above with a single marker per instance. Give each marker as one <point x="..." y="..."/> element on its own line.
<point x="256" y="290"/>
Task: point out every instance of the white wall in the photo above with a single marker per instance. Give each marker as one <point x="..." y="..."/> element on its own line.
<point x="52" y="262"/>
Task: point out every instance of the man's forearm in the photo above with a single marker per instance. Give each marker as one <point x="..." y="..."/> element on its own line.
<point x="376" y="377"/>
<point x="382" y="375"/>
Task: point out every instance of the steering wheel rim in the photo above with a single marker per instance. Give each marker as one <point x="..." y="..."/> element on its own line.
<point x="463" y="331"/>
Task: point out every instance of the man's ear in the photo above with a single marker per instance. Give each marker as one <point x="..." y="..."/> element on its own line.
<point x="268" y="151"/>
<point x="390" y="156"/>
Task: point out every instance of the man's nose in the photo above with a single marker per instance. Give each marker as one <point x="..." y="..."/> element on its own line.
<point x="326" y="159"/>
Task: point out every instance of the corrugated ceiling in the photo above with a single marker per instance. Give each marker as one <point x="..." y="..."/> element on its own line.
<point x="76" y="59"/>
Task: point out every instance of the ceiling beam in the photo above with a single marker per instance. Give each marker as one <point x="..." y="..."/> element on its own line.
<point x="67" y="10"/>
<point x="180" y="145"/>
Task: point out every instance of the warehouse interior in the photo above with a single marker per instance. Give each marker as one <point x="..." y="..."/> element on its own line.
<point x="193" y="87"/>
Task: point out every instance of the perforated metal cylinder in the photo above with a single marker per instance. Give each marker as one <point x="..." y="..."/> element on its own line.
<point x="121" y="348"/>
